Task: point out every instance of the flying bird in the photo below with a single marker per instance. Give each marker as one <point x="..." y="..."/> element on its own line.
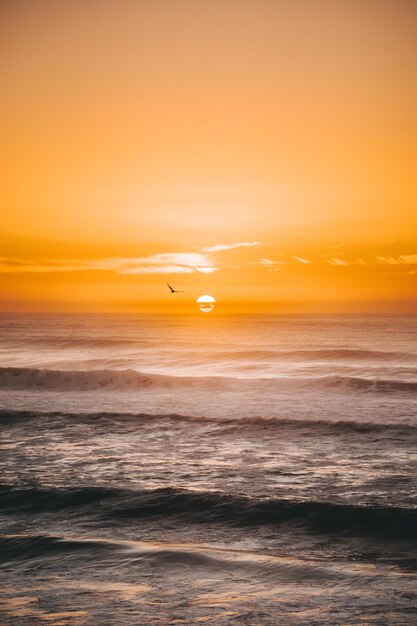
<point x="174" y="290"/>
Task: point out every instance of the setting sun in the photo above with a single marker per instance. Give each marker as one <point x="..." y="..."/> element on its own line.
<point x="206" y="303"/>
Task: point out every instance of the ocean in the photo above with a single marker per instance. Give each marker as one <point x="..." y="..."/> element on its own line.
<point x="256" y="470"/>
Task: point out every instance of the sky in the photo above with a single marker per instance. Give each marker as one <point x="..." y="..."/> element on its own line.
<point x="263" y="152"/>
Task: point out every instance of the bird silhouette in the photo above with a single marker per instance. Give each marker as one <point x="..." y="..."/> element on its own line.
<point x="174" y="290"/>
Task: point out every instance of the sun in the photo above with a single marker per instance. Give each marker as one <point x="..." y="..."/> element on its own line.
<point x="206" y="303"/>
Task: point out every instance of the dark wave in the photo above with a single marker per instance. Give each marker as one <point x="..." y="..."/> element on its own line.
<point x="352" y="383"/>
<point x="165" y="556"/>
<point x="120" y="380"/>
<point x="75" y="380"/>
<point x="206" y="507"/>
<point x="122" y="554"/>
<point x="13" y="547"/>
<point x="181" y="557"/>
<point x="9" y="417"/>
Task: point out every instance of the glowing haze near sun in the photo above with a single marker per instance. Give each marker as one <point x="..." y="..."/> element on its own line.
<point x="264" y="151"/>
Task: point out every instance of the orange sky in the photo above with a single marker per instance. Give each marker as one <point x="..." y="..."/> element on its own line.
<point x="263" y="151"/>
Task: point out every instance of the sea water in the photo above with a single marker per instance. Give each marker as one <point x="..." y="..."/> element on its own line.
<point x="216" y="469"/>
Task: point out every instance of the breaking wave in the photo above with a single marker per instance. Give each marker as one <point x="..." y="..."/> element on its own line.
<point x="131" y="380"/>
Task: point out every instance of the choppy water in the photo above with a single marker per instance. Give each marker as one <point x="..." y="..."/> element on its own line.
<point x="181" y="470"/>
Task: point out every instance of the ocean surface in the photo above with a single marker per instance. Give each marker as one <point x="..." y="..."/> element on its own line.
<point x="208" y="470"/>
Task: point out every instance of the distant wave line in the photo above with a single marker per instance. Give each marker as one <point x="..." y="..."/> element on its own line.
<point x="212" y="351"/>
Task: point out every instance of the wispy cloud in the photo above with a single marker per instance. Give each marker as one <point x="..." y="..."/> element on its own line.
<point x="387" y="260"/>
<point x="403" y="259"/>
<point x="301" y="260"/>
<point x="165" y="263"/>
<point x="343" y="262"/>
<point x="336" y="261"/>
<point x="171" y="263"/>
<point x="272" y="266"/>
<point x="219" y="247"/>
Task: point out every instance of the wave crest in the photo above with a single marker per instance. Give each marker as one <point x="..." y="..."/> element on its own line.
<point x="130" y="380"/>
<point x="205" y="507"/>
<point x="318" y="426"/>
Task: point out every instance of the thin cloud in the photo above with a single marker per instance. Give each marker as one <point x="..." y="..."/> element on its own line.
<point x="343" y="262"/>
<point x="301" y="260"/>
<point x="403" y="259"/>
<point x="336" y="261"/>
<point x="165" y="263"/>
<point x="387" y="260"/>
<point x="171" y="263"/>
<point x="219" y="247"/>
<point x="272" y="266"/>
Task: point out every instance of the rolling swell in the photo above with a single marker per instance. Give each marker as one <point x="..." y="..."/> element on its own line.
<point x="130" y="380"/>
<point x="332" y="355"/>
<point x="10" y="417"/>
<point x="186" y="507"/>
